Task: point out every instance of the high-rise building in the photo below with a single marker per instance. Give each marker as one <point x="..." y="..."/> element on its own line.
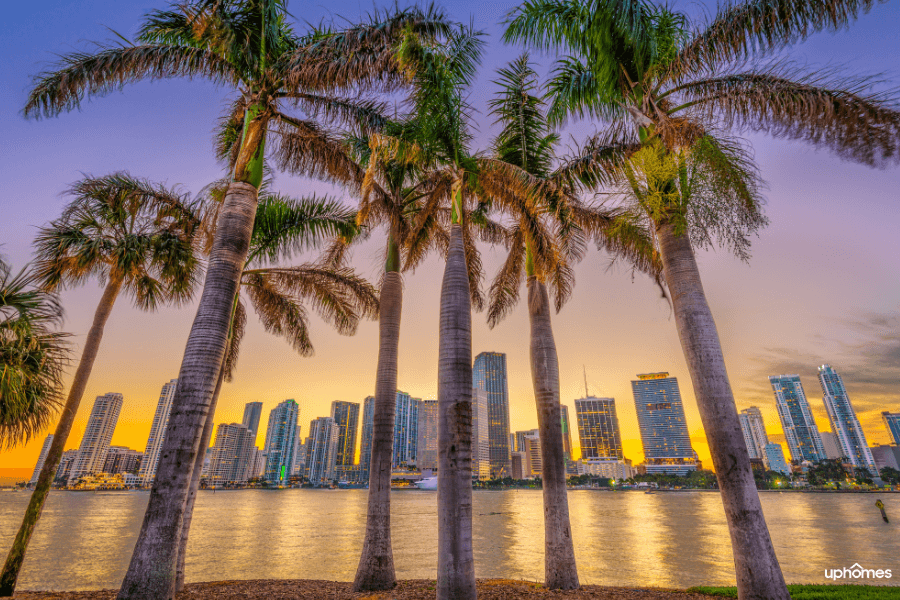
<point x="65" y="466"/>
<point x="346" y="415"/>
<point x="481" y="440"/>
<point x="512" y="443"/>
<point x="566" y="431"/>
<point x="406" y="423"/>
<point x="892" y="422"/>
<point x="831" y="445"/>
<point x="322" y="450"/>
<point x="797" y="421"/>
<point x="843" y="419"/>
<point x="533" y="454"/>
<point x="775" y="459"/>
<point x="519" y="465"/>
<point x="42" y="458"/>
<point x="281" y="442"/>
<point x="664" y="433"/>
<point x="598" y="428"/>
<point x="120" y="459"/>
<point x="157" y="433"/>
<point x="886" y="456"/>
<point x="489" y="374"/>
<point x="754" y="430"/>
<point x="520" y="436"/>
<point x="252" y="415"/>
<point x="365" y="447"/>
<point x="232" y="455"/>
<point x="99" y="432"/>
<point x="427" y="429"/>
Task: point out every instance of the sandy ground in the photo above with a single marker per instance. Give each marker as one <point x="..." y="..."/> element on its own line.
<point x="488" y="589"/>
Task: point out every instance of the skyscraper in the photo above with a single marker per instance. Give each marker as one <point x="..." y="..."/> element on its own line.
<point x="65" y="466"/>
<point x="481" y="436"/>
<point x="120" y="459"/>
<point x="489" y="374"/>
<point x="281" y="442"/>
<point x="892" y="422"/>
<point x="520" y="439"/>
<point x="99" y="432"/>
<point x="406" y="422"/>
<point x="346" y="415"/>
<point x="533" y="455"/>
<point x="775" y="459"/>
<point x="598" y="428"/>
<point x="664" y="434"/>
<point x="426" y="447"/>
<point x="754" y="430"/>
<point x="252" y="415"/>
<point x="42" y="458"/>
<point x="365" y="450"/>
<point x="566" y="431"/>
<point x="157" y="433"/>
<point x="322" y="449"/>
<point x="232" y="455"/>
<point x="832" y="445"/>
<point x="843" y="419"/>
<point x="797" y="421"/>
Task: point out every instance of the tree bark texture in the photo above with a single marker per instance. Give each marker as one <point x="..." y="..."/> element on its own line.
<point x="376" y="563"/>
<point x="45" y="480"/>
<point x="756" y="566"/>
<point x="456" y="565"/>
<point x="560" y="571"/>
<point x="151" y="574"/>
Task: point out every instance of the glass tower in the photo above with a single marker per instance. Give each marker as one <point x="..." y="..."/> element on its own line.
<point x="406" y="423"/>
<point x="844" y="422"/>
<point x="754" y="430"/>
<point x="322" y="449"/>
<point x="346" y="415"/>
<point x="598" y="428"/>
<point x="427" y="430"/>
<point x="566" y="431"/>
<point x="892" y="422"/>
<point x="489" y="374"/>
<point x="252" y="415"/>
<point x="157" y="433"/>
<point x="797" y="421"/>
<point x="664" y="433"/>
<point x="99" y="432"/>
<point x="281" y="442"/>
<point x="365" y="451"/>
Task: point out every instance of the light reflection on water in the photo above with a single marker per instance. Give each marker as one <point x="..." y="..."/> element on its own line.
<point x="84" y="540"/>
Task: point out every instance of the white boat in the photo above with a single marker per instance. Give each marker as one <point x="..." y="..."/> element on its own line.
<point x="429" y="483"/>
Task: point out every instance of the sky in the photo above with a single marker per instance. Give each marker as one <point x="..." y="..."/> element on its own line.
<point x="821" y="286"/>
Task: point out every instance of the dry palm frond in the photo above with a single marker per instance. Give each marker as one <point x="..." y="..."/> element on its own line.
<point x="235" y="335"/>
<point x="504" y="292"/>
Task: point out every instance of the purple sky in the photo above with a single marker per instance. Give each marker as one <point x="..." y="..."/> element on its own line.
<point x="822" y="285"/>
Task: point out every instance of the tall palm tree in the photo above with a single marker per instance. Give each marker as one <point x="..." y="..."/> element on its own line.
<point x="542" y="251"/>
<point x="670" y="86"/>
<point x="134" y="237"/>
<point x="284" y="226"/>
<point x="247" y="44"/>
<point x="33" y="356"/>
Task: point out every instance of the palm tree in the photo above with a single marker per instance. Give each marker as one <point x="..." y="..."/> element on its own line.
<point x="133" y="236"/>
<point x="32" y="357"/>
<point x="284" y="226"/>
<point x="247" y="44"/>
<point x="669" y="87"/>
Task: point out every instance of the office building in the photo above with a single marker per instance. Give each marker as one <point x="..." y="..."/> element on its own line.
<point x="519" y="438"/>
<point x="281" y="442"/>
<point x="519" y="465"/>
<point x="844" y="422"/>
<point x="120" y="459"/>
<point x="42" y="458"/>
<point x="99" y="432"/>
<point x="481" y="441"/>
<point x="831" y="445"/>
<point x="65" y="466"/>
<point x="664" y="433"/>
<point x="566" y="431"/>
<point x="346" y="415"/>
<point x="232" y="455"/>
<point x="775" y="459"/>
<point x="365" y="450"/>
<point x="892" y="422"/>
<point x="427" y="429"/>
<point x="406" y="422"/>
<point x="598" y="428"/>
<point x="886" y="456"/>
<point x="800" y="428"/>
<point x="252" y="415"/>
<point x="533" y="455"/>
<point x="489" y="374"/>
<point x="322" y="450"/>
<point x="754" y="429"/>
<point x="157" y="433"/>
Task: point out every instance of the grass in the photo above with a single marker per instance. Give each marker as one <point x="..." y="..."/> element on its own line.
<point x="818" y="592"/>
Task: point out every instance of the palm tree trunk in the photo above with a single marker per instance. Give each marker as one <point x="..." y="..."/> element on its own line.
<point x="45" y="480"/>
<point x="376" y="563"/>
<point x="151" y="574"/>
<point x="560" y="571"/>
<point x="195" y="484"/>
<point x="756" y="566"/>
<point x="456" y="565"/>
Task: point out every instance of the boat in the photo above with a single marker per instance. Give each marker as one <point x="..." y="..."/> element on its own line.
<point x="429" y="483"/>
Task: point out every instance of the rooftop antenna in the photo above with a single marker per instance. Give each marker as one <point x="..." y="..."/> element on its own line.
<point x="585" y="381"/>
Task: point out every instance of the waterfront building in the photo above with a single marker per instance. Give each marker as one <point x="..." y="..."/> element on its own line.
<point x="566" y="431"/>
<point x="519" y="465"/>
<point x="232" y="455"/>
<point x="157" y="433"/>
<point x="754" y="429"/>
<point x="892" y="422"/>
<point x="120" y="459"/>
<point x="831" y="445"/>
<point x="481" y="441"/>
<point x="844" y="422"/>
<point x="365" y="450"/>
<point x="346" y="415"/>
<point x="65" y="466"/>
<point x="664" y="433"/>
<point x="519" y="436"/>
<point x="610" y="468"/>
<point x="252" y="415"/>
<point x="42" y="458"/>
<point x="99" y="432"/>
<point x="800" y="428"/>
<point x="775" y="459"/>
<point x="533" y="455"/>
<point x="427" y="430"/>
<point x="322" y="450"/>
<point x="489" y="374"/>
<point x="886" y="456"/>
<point x="598" y="428"/>
<point x="281" y="442"/>
<point x="406" y="422"/>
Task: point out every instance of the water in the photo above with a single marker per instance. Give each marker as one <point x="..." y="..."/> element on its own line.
<point x="84" y="540"/>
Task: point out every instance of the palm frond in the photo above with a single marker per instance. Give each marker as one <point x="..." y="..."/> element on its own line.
<point x="238" y="327"/>
<point x="504" y="292"/>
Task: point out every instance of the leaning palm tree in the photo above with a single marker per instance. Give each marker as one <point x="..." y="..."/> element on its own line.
<point x="670" y="87"/>
<point x="134" y="237"/>
<point x="247" y="44"/>
<point x="33" y="356"/>
<point x="279" y="295"/>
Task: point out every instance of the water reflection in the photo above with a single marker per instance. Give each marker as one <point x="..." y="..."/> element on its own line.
<point x="84" y="540"/>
